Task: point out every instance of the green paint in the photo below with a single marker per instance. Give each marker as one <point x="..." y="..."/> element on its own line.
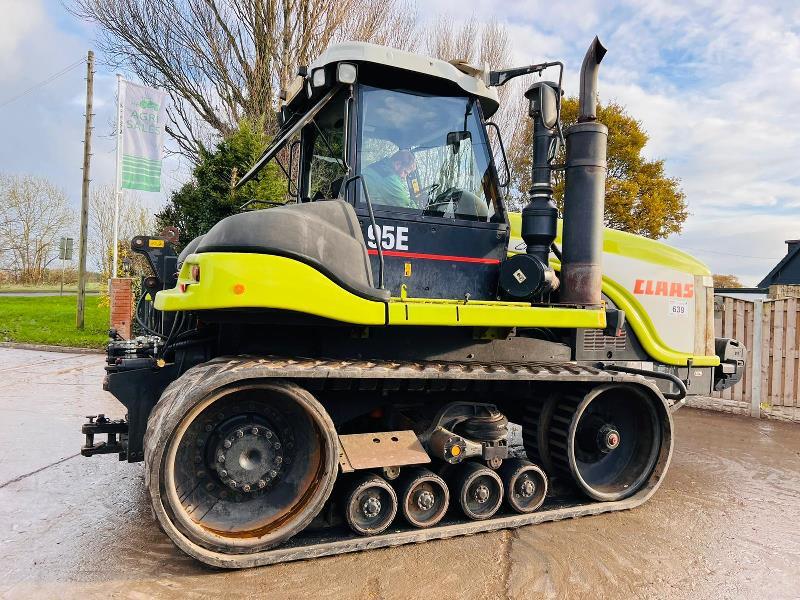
<point x="141" y="174"/>
<point x="148" y="104"/>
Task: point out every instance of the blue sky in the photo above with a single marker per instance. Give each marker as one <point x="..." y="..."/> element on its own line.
<point x="715" y="84"/>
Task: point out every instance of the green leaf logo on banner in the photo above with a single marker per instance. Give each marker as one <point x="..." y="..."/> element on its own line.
<point x="148" y="104"/>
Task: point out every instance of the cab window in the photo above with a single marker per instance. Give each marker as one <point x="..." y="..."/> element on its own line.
<point x="425" y="154"/>
<point x="323" y="156"/>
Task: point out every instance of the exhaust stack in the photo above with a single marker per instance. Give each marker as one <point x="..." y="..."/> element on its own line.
<point x="584" y="192"/>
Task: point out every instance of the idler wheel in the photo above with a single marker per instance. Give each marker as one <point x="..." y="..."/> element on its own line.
<point x="479" y="489"/>
<point x="525" y="485"/>
<point x="609" y="440"/>
<point x="370" y="505"/>
<point x="424" y="497"/>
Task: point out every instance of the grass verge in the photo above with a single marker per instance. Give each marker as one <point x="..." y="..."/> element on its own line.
<point x="51" y="320"/>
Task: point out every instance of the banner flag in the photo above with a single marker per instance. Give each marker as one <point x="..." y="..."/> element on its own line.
<point x="143" y="116"/>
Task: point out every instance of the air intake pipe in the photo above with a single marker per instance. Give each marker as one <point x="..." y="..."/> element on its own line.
<point x="584" y="192"/>
<point x="529" y="276"/>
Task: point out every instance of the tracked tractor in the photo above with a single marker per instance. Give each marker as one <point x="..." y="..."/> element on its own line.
<point x="393" y="356"/>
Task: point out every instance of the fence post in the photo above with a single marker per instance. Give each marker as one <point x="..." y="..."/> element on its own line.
<point x="755" y="356"/>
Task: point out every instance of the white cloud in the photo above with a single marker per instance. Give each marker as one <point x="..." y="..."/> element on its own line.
<point x="19" y="19"/>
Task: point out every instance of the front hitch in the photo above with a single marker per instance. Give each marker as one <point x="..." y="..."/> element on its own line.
<point x="100" y="424"/>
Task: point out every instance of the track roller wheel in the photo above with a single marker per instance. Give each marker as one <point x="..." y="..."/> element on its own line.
<point x="424" y="497"/>
<point x="370" y="505"/>
<point x="609" y="440"/>
<point x="479" y="489"/>
<point x="236" y="466"/>
<point x="525" y="485"/>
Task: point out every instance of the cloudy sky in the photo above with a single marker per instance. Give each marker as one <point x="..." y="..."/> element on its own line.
<point x="716" y="85"/>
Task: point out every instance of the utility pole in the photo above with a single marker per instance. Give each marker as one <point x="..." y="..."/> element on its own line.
<point x="87" y="154"/>
<point x="118" y="181"/>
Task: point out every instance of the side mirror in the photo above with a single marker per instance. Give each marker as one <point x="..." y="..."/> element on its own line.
<point x="543" y="98"/>
<point x="454" y="139"/>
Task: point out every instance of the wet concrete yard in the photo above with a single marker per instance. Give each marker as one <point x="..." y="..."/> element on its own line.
<point x="725" y="523"/>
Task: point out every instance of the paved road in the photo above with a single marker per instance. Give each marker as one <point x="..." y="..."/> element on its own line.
<point x="723" y="525"/>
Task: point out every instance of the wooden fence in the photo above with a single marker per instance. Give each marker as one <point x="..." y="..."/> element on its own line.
<point x="769" y="329"/>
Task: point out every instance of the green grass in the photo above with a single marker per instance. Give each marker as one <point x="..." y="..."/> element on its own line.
<point x="51" y="320"/>
<point x="92" y="286"/>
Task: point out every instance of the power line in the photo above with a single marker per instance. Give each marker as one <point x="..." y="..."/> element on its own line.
<point x="728" y="253"/>
<point x="44" y="82"/>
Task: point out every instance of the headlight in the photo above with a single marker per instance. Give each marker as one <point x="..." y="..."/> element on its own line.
<point x="318" y="77"/>
<point x="346" y="73"/>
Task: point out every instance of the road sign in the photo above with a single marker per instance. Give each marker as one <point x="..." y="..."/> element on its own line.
<point x="65" y="248"/>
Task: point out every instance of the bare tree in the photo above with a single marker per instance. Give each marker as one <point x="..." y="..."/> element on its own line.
<point x="224" y="60"/>
<point x="483" y="44"/>
<point x="34" y="213"/>
<point x="134" y="219"/>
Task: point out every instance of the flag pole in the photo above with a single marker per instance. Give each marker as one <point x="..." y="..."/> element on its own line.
<point x="118" y="185"/>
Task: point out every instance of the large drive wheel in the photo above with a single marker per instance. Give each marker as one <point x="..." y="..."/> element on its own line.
<point x="609" y="440"/>
<point x="237" y="469"/>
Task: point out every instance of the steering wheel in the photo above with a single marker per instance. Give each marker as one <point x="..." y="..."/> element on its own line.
<point x="443" y="201"/>
<point x="428" y="190"/>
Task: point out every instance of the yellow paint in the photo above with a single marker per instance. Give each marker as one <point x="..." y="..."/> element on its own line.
<point x="407" y="270"/>
<point x="423" y="311"/>
<point x="627" y="244"/>
<point x="240" y="280"/>
<point x="634" y="246"/>
<point x="156" y="243"/>
<point x="266" y="282"/>
<point x="646" y="332"/>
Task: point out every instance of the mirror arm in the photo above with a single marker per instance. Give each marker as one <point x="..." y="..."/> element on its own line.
<point x="498" y="78"/>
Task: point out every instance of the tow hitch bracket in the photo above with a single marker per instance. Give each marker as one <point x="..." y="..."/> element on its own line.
<point x="100" y="424"/>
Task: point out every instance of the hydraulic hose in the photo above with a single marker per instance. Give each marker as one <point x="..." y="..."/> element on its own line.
<point x="681" y="393"/>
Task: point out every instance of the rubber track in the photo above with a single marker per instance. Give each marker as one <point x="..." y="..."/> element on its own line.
<point x="332" y="372"/>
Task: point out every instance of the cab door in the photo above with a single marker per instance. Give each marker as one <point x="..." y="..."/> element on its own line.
<point x="441" y="225"/>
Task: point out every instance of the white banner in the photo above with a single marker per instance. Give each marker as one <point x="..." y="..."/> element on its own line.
<point x="143" y="116"/>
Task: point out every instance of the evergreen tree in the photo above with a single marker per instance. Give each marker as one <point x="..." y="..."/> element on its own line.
<point x="209" y="197"/>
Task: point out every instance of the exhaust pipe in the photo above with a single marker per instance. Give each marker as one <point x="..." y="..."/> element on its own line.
<point x="588" y="85"/>
<point x="584" y="192"/>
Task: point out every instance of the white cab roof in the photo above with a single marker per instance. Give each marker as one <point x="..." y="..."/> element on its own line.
<point x="363" y="52"/>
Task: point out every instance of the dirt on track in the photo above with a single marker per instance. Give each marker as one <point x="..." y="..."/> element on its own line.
<point x="723" y="525"/>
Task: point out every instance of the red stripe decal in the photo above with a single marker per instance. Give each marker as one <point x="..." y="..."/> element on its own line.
<point x="467" y="259"/>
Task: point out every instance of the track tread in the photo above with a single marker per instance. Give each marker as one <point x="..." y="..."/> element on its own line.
<point x="230" y="369"/>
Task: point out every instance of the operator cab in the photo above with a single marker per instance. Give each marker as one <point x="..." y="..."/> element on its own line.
<point x="402" y="139"/>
